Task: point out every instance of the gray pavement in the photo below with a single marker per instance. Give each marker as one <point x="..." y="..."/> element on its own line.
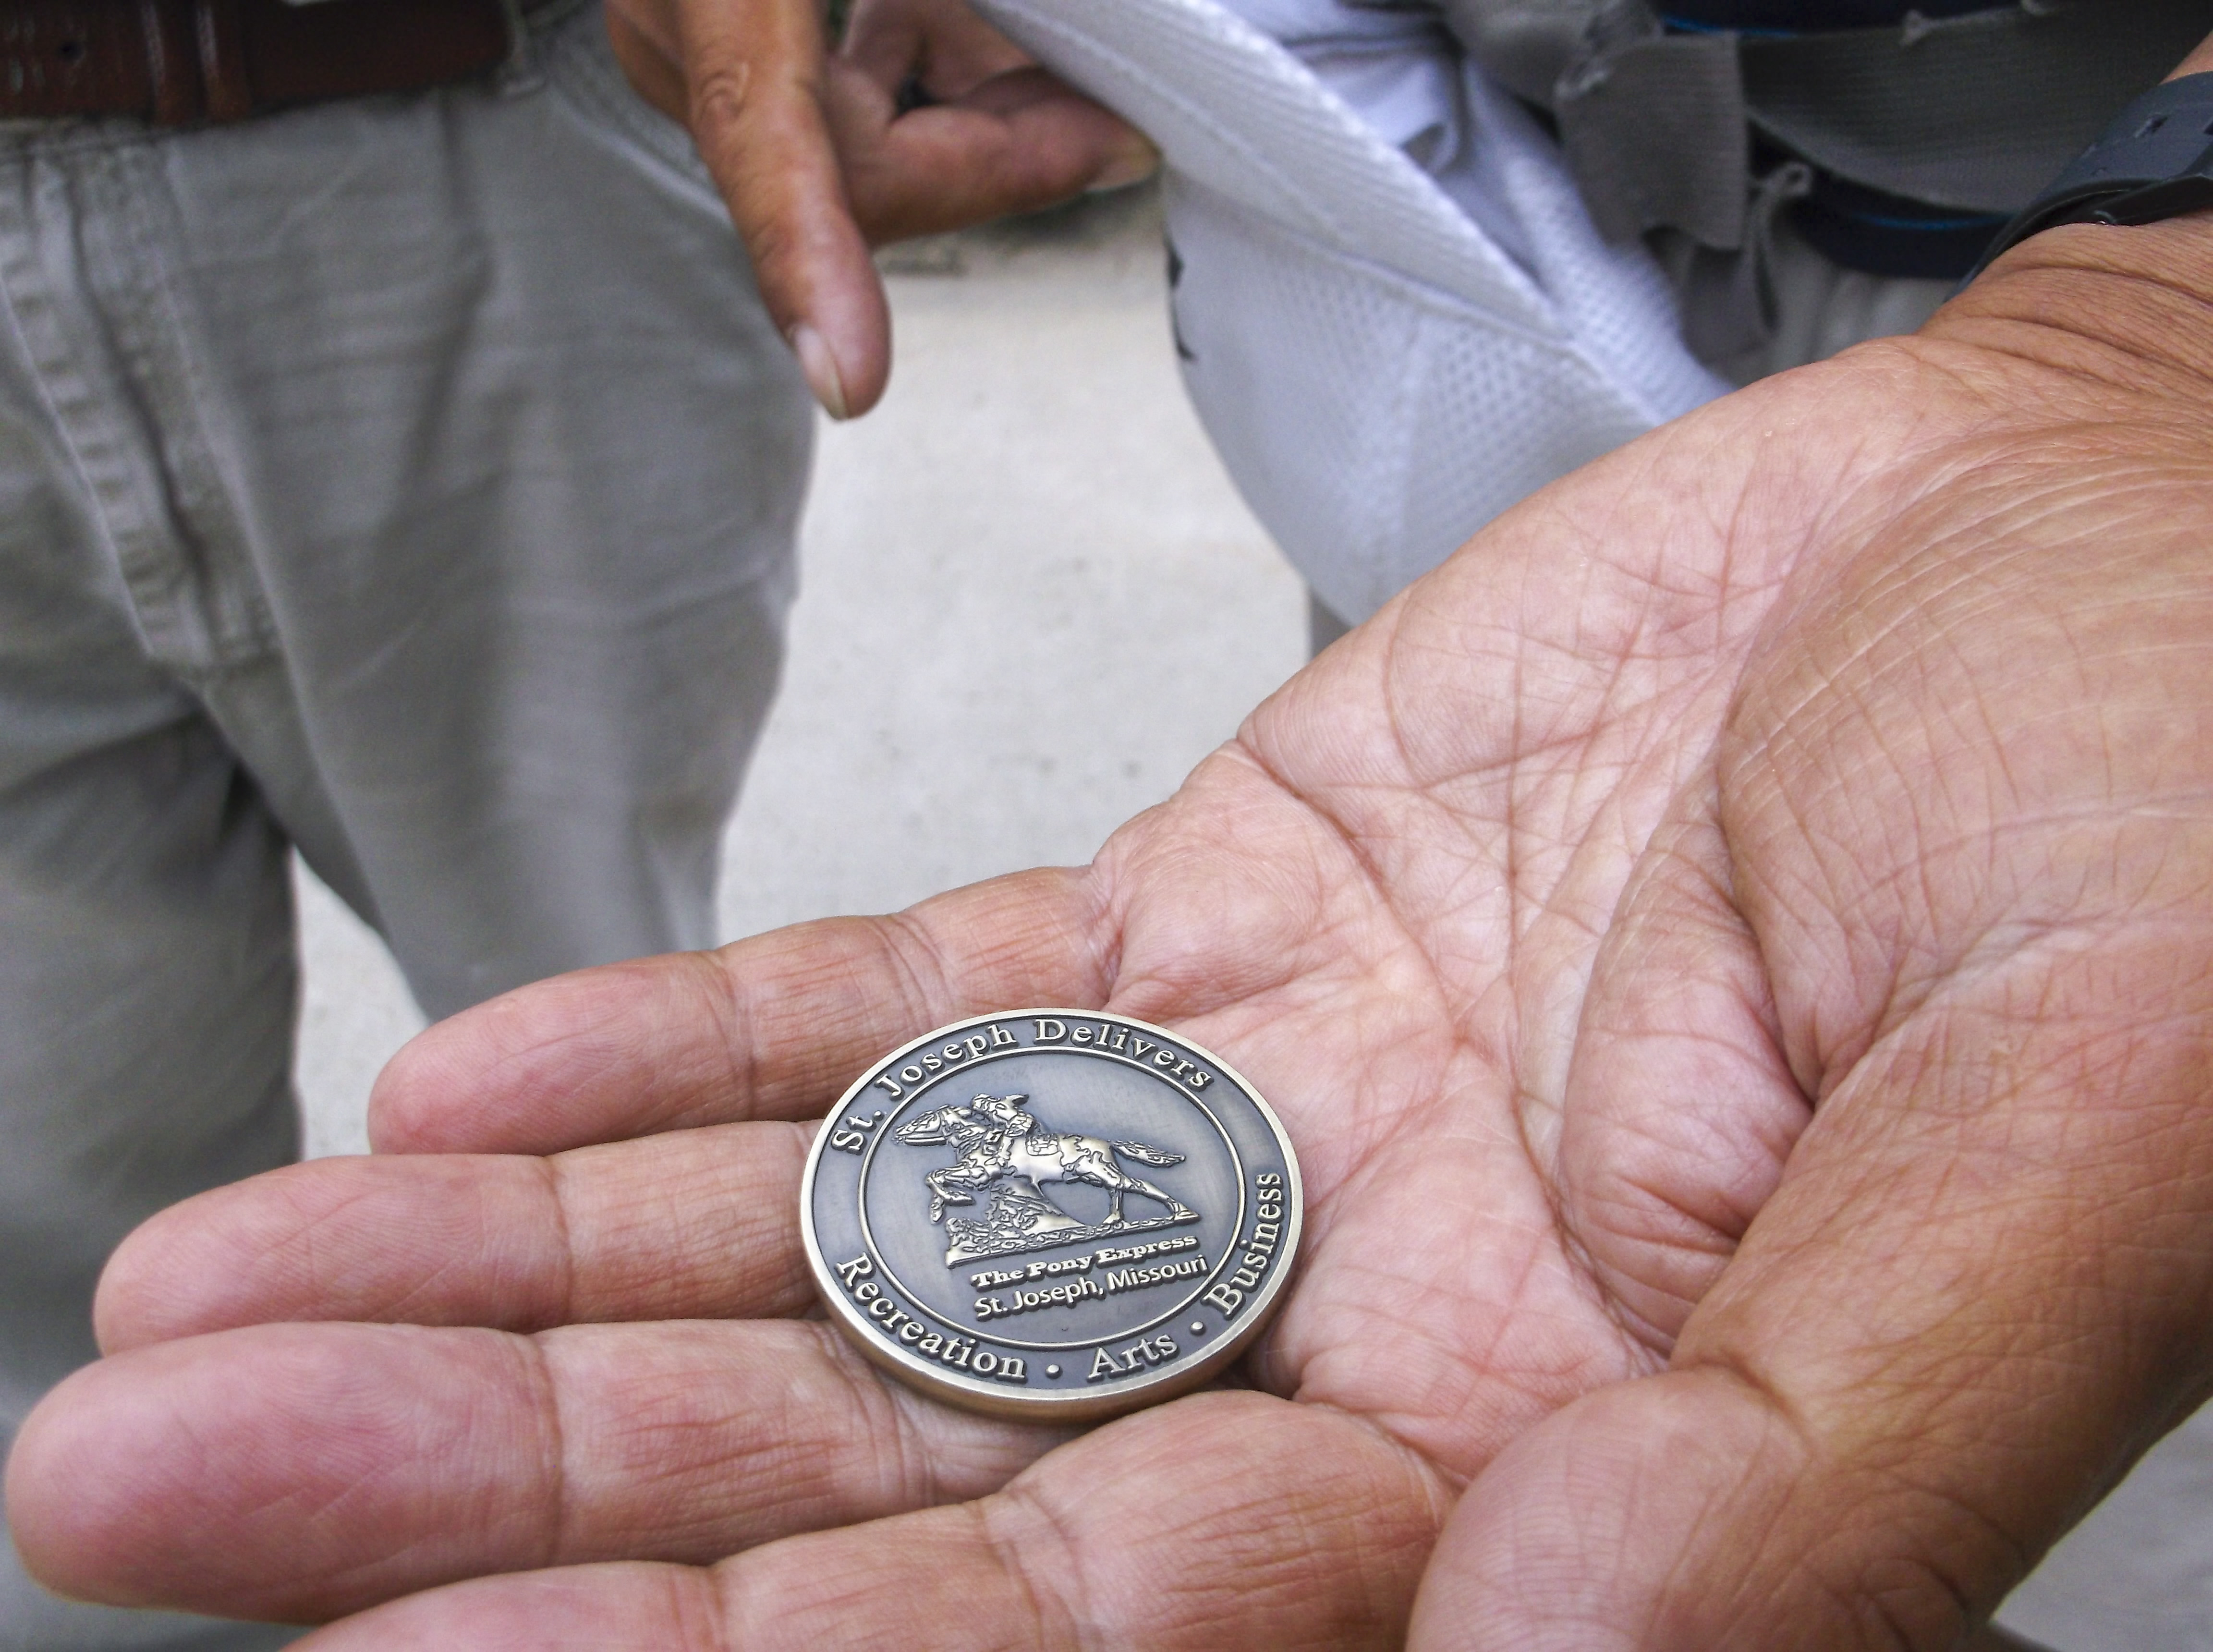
<point x="1032" y="601"/>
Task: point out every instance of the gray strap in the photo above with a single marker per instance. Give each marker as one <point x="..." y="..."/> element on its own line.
<point x="1977" y="112"/>
<point x="1654" y="127"/>
<point x="1973" y="113"/>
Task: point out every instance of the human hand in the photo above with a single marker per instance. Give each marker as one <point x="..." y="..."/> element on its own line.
<point x="1734" y="950"/>
<point x="818" y="160"/>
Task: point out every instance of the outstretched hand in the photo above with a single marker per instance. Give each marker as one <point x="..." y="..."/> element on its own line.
<point x="923" y="120"/>
<point x="1734" y="950"/>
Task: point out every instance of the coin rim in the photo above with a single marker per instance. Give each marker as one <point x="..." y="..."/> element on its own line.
<point x="1069" y="1407"/>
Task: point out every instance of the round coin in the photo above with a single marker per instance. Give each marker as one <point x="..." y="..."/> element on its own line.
<point x="1050" y="1214"/>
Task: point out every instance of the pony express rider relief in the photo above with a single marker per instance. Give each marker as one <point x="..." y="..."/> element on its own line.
<point x="1051" y="1213"/>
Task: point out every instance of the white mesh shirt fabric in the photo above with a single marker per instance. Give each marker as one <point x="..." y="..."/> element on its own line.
<point x="1381" y="374"/>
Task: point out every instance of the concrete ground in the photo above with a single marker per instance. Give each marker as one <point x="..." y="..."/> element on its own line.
<point x="1031" y="602"/>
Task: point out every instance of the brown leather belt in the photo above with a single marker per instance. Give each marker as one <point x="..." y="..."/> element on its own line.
<point x="176" y="62"/>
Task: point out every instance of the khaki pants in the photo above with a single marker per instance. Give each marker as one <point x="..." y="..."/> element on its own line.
<point x="411" y="481"/>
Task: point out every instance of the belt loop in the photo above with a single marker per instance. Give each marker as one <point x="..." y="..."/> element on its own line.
<point x="222" y="45"/>
<point x="175" y="89"/>
<point x="519" y="73"/>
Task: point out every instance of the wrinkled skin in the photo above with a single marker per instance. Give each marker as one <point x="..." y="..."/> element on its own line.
<point x="817" y="163"/>
<point x="1733" y="949"/>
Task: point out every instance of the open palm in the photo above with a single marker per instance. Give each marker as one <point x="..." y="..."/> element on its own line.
<point x="1734" y="950"/>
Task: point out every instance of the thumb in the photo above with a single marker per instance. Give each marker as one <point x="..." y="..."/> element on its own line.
<point x="1978" y="889"/>
<point x="1976" y="1298"/>
<point x="1684" y="1513"/>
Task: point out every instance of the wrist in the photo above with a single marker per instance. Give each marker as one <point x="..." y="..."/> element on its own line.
<point x="2129" y="304"/>
<point x="2123" y="309"/>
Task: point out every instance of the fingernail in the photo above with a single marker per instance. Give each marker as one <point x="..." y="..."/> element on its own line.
<point x="820" y="367"/>
<point x="1133" y="166"/>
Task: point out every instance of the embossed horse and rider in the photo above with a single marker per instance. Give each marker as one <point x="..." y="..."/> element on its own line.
<point x="1000" y="1144"/>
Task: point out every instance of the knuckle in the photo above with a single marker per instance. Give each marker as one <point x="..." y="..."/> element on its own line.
<point x="721" y="95"/>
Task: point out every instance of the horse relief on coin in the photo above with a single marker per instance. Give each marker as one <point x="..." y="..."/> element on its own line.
<point x="1052" y="1214"/>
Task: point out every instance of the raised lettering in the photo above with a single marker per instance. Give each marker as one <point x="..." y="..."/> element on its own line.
<point x="911" y="1074"/>
<point x="866" y="1292"/>
<point x="911" y="1332"/>
<point x="1012" y="1369"/>
<point x="1059" y="1031"/>
<point x="1138" y="1046"/>
<point x="1201" y="1079"/>
<point x="1266" y="1233"/>
<point x="986" y="1361"/>
<point x="977" y="1044"/>
<point x="854" y="1271"/>
<point x="882" y="1308"/>
<point x="1102" y="1367"/>
<point x="931" y="1343"/>
<point x="1082" y="1035"/>
<point x="892" y="1087"/>
<point x="1001" y="1036"/>
<point x="1227" y="1299"/>
<point x="848" y="1141"/>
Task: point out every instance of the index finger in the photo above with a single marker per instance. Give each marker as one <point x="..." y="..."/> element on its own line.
<point x="753" y="73"/>
<point x="772" y="1027"/>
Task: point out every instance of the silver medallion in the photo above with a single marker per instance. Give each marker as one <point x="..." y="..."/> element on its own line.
<point x="1052" y="1214"/>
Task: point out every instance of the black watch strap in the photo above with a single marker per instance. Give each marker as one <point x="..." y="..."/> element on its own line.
<point x="2154" y="162"/>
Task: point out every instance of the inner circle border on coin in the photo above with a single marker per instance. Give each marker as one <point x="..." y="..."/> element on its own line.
<point x="994" y="1397"/>
<point x="1236" y="1159"/>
